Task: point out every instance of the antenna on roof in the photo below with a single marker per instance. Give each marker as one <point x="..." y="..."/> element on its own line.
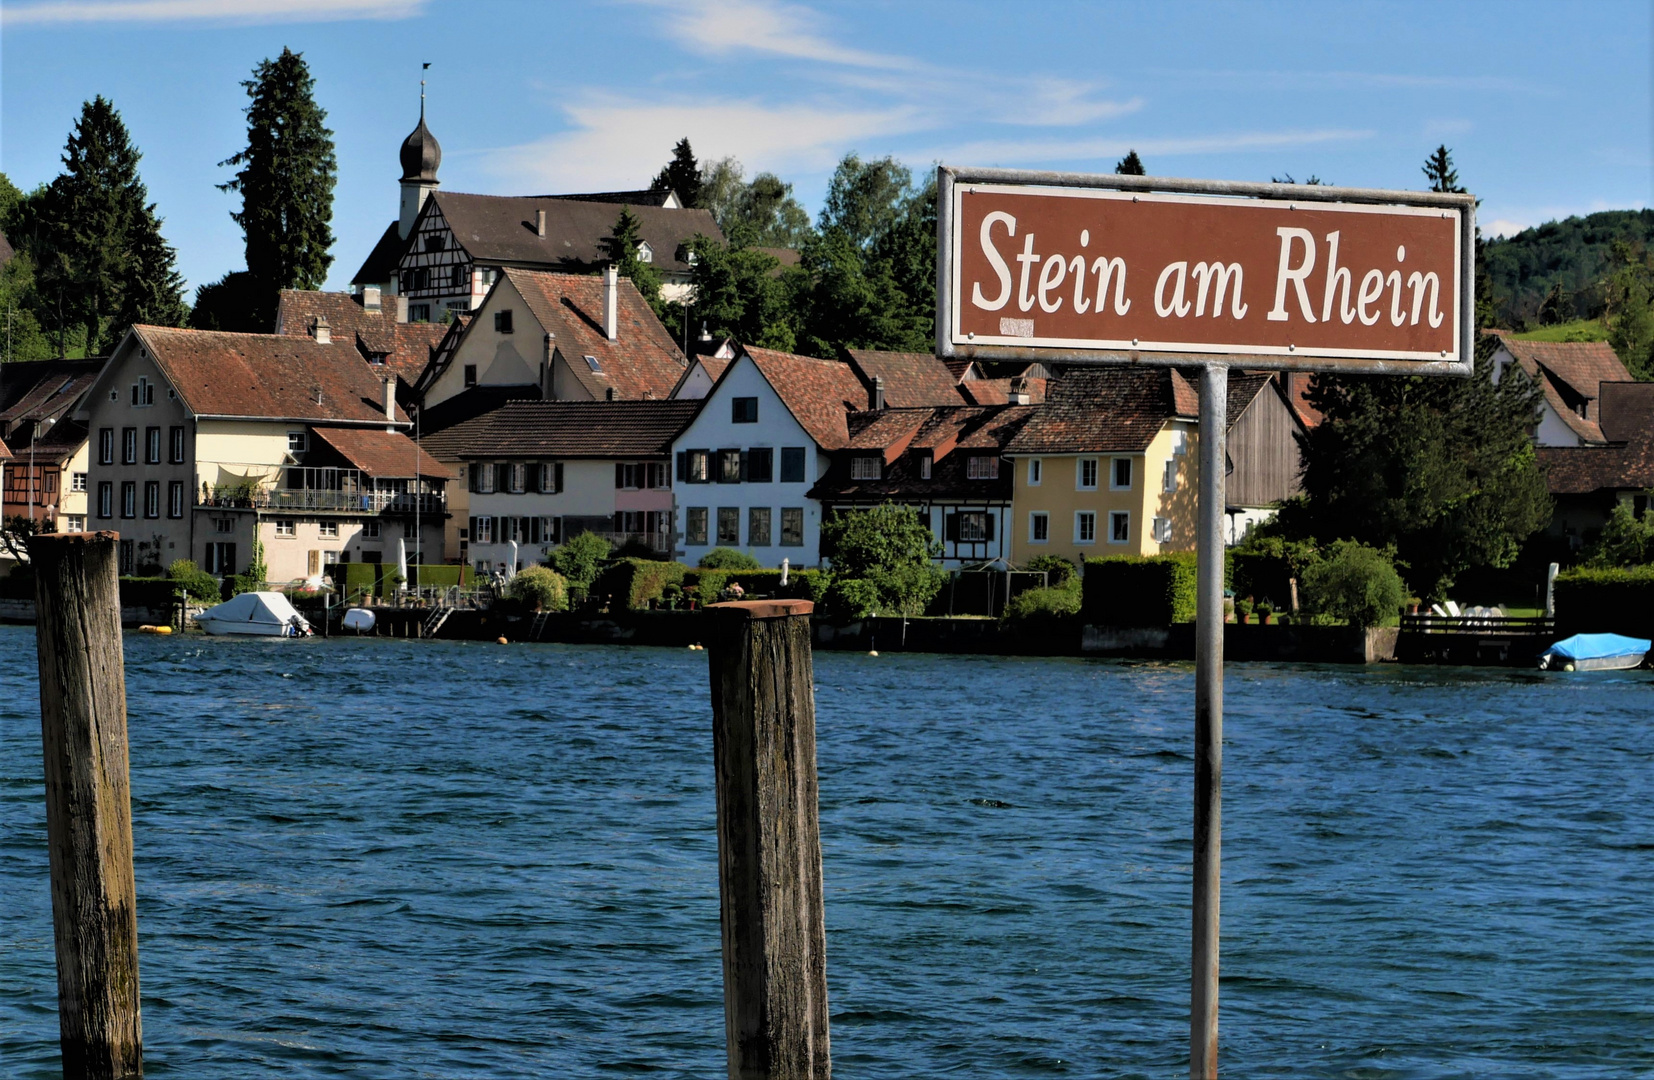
<point x="423" y="68"/>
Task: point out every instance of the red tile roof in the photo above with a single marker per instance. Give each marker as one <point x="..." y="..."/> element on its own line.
<point x="940" y="430"/>
<point x="44" y="389"/>
<point x="381" y="453"/>
<point x="998" y="391"/>
<point x="268" y="376"/>
<point x="1570" y="373"/>
<point x="578" y="429"/>
<point x="911" y="380"/>
<point x="1626" y="463"/>
<point x="642" y="361"/>
<point x="403" y="348"/>
<point x="819" y="393"/>
<point x="1119" y="409"/>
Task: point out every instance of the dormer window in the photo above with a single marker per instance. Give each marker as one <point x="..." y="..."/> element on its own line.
<point x="864" y="468"/>
<point x="981" y="467"/>
<point x="924" y="466"/>
<point x="645" y="253"/>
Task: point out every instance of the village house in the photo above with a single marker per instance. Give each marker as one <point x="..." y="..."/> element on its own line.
<point x="541" y="472"/>
<point x="47" y="445"/>
<point x="1570" y="374"/>
<point x="762" y="438"/>
<point x="1587" y="481"/>
<point x="213" y="446"/>
<point x="446" y="249"/>
<point x="374" y="324"/>
<point x="1108" y="465"/>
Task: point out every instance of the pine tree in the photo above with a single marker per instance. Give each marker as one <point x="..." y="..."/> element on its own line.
<point x="1438" y="169"/>
<point x="620" y="247"/>
<point x="1130" y="165"/>
<point x="681" y="175"/>
<point x="286" y="180"/>
<point x="101" y="260"/>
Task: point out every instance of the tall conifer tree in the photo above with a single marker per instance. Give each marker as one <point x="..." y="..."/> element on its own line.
<point x="1130" y="165"/>
<point x="681" y="175"/>
<point x="102" y="262"/>
<point x="286" y="180"/>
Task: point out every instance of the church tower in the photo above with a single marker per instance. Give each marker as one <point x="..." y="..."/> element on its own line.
<point x="421" y="157"/>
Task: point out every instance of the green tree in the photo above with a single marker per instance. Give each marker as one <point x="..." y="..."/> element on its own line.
<point x="1558" y="306"/>
<point x="620" y="247"/>
<point x="1442" y="470"/>
<point x="580" y="558"/>
<point x="285" y="179"/>
<point x="541" y="588"/>
<point x="1354" y="584"/>
<point x="1628" y="291"/>
<point x="1627" y="539"/>
<point x="889" y="548"/>
<point x="1130" y="165"/>
<point x="682" y="175"/>
<point x="1438" y="169"/>
<point x="743" y="293"/>
<point x="100" y="261"/>
<point x="724" y="558"/>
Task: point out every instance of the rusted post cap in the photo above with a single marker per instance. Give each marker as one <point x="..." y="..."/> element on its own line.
<point x="75" y="537"/>
<point x="765" y="609"/>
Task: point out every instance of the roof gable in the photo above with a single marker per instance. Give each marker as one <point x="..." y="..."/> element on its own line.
<point x="819" y="394"/>
<point x="504" y="229"/>
<point x="642" y="362"/>
<point x="911" y="380"/>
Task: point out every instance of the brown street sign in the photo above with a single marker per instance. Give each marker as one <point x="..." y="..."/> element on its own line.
<point x="1122" y="269"/>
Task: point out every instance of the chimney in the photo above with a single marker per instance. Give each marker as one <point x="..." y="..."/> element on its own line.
<point x="875" y="396"/>
<point x="1019" y="392"/>
<point x="539" y="223"/>
<point x="371" y="299"/>
<point x="611" y="302"/>
<point x="401" y="309"/>
<point x="323" y="332"/>
<point x="390" y="398"/>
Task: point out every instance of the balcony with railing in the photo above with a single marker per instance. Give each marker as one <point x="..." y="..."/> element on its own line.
<point x="326" y="490"/>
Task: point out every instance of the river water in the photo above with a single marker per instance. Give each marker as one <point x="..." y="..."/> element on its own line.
<point x="386" y="858"/>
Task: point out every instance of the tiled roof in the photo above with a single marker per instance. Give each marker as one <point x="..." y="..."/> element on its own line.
<point x="503" y="229"/>
<point x="1295" y="385"/>
<point x="1626" y="463"/>
<point x="642" y="361"/>
<point x="44" y="389"/>
<point x="1570" y="373"/>
<point x="714" y="366"/>
<point x="5" y="454"/>
<point x="1097" y="410"/>
<point x="941" y="430"/>
<point x="405" y="347"/>
<point x="998" y="391"/>
<point x="381" y="263"/>
<point x="1627" y="410"/>
<point x="381" y="453"/>
<point x="579" y="429"/>
<point x="448" y="425"/>
<point x="819" y="393"/>
<point x="640" y="197"/>
<point x="911" y="380"/>
<point x="268" y="376"/>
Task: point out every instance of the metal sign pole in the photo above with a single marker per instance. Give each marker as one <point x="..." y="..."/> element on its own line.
<point x="1208" y="822"/>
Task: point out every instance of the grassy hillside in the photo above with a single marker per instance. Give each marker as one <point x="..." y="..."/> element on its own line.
<point x="1574" y="252"/>
<point x="1578" y="330"/>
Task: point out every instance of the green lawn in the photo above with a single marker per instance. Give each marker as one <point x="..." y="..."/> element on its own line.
<point x="1578" y="330"/>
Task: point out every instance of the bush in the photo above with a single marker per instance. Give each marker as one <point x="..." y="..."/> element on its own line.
<point x="540" y="588"/>
<point x="808" y="585"/>
<point x="722" y="558"/>
<point x="633" y="583"/>
<point x="1047" y="602"/>
<point x="1606" y="601"/>
<point x="1123" y="590"/>
<point x="1355" y="584"/>
<point x="1058" y="570"/>
<point x="849" y="599"/>
<point x="890" y="548"/>
<point x="1627" y="539"/>
<point x="580" y="558"/>
<point x="199" y="584"/>
<point x="1262" y="567"/>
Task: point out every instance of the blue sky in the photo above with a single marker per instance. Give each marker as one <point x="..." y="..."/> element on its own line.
<point x="1546" y="106"/>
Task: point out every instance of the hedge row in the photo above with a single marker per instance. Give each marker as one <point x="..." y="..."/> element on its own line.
<point x="632" y="582"/>
<point x="707" y="586"/>
<point x="1619" y="601"/>
<point x="1122" y="590"/>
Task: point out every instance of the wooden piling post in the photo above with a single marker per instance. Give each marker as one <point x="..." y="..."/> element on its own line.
<point x="88" y="803"/>
<point x="769" y="841"/>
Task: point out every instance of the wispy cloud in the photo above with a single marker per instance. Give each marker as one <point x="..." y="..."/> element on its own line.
<point x="725" y="27"/>
<point x="616" y="142"/>
<point x="49" y="12"/>
<point x="1367" y="80"/>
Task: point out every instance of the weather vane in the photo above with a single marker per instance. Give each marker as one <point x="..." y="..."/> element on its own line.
<point x="425" y="67"/>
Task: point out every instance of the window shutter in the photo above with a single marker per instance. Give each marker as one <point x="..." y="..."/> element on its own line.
<point x="558" y="486"/>
<point x="743" y="466"/>
<point x="683" y="465"/>
<point x="472" y="472"/>
<point x="951" y="531"/>
<point x="620" y="475"/>
<point x="987" y="525"/>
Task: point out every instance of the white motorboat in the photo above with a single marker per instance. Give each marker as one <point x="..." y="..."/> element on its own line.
<point x="260" y="614"/>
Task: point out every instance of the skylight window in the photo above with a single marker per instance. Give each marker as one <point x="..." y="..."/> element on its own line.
<point x="591" y="362"/>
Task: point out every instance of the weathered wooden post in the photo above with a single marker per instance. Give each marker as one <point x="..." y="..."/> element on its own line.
<point x="769" y="841"/>
<point x="88" y="803"/>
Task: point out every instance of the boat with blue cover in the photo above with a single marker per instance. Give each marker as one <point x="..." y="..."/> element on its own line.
<point x="1595" y="652"/>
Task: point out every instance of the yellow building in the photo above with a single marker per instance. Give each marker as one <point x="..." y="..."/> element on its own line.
<point x="1109" y="464"/>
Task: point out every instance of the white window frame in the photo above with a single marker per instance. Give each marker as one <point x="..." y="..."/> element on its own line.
<point x="981" y="467"/>
<point x="1085" y="521"/>
<point x="519" y="477"/>
<point x="1168" y="482"/>
<point x="1162" y="530"/>
<point x="864" y="467"/>
<point x="77" y="482"/>
<point x="1113" y="533"/>
<point x="1036" y="467"/>
<point x="298" y="442"/>
<point x="286" y="529"/>
<point x="1036" y="519"/>
<point x="1080" y="465"/>
<point x="1114" y="474"/>
<point x="76" y="523"/>
<point x="924" y="466"/>
<point x="327" y="529"/>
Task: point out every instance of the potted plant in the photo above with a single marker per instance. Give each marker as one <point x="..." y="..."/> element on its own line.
<point x="671" y="594"/>
<point x="1266" y="612"/>
<point x="1243" y="610"/>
